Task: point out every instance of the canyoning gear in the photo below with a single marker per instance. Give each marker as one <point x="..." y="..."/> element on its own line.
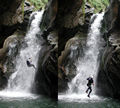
<point x="91" y="76"/>
<point x="90" y="82"/>
<point x="90" y="90"/>
<point x="29" y="64"/>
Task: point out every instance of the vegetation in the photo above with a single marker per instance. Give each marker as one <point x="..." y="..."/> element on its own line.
<point x="99" y="4"/>
<point x="39" y="3"/>
<point x="23" y="9"/>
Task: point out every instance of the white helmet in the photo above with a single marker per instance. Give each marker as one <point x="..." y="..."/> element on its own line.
<point x="91" y="76"/>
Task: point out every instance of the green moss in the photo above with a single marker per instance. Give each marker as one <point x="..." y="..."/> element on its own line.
<point x="23" y="9"/>
<point x="38" y="3"/>
<point x="99" y="4"/>
<point x="83" y="9"/>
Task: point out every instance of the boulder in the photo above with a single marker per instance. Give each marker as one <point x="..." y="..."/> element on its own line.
<point x="73" y="51"/>
<point x="46" y="77"/>
<point x="109" y="76"/>
<point x="11" y="17"/>
<point x="7" y="57"/>
<point x="28" y="9"/>
<point x="10" y="12"/>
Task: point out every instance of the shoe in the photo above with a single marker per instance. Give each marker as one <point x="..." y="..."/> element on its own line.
<point x="89" y="96"/>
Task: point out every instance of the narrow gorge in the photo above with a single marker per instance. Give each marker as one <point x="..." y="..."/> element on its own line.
<point x="48" y="49"/>
<point x="28" y="76"/>
<point x="76" y="65"/>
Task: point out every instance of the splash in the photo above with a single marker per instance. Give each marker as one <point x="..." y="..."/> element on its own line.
<point x="22" y="79"/>
<point x="88" y="65"/>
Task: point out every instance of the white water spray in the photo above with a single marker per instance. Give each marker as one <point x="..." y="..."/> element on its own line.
<point x="88" y="65"/>
<point x="21" y="81"/>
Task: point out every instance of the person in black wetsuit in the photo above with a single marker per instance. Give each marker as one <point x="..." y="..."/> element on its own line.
<point x="89" y="84"/>
<point x="29" y="64"/>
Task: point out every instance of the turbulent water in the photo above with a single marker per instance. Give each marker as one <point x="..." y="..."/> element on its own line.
<point x="22" y="79"/>
<point x="88" y="65"/>
<point x="108" y="103"/>
<point x="41" y="102"/>
<point x="18" y="94"/>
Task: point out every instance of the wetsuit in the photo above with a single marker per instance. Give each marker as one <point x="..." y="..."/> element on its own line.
<point x="29" y="64"/>
<point x="90" y="82"/>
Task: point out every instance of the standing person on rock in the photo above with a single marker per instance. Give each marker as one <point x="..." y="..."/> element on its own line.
<point x="89" y="84"/>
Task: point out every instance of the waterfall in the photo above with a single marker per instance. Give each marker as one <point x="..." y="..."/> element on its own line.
<point x="88" y="65"/>
<point x="23" y="77"/>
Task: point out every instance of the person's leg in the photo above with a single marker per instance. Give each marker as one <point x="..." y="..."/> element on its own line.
<point x="89" y="91"/>
<point x="88" y="88"/>
<point x="32" y="66"/>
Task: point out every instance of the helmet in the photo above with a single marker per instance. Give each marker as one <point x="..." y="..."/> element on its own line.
<point x="91" y="76"/>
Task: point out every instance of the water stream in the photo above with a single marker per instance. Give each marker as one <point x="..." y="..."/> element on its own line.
<point x="22" y="79"/>
<point x="18" y="93"/>
<point x="87" y="65"/>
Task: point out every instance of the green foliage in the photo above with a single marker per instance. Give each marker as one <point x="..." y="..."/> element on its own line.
<point x="99" y="4"/>
<point x="83" y="9"/>
<point x="39" y="3"/>
<point x="23" y="9"/>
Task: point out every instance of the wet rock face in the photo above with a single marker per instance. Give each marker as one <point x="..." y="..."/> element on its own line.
<point x="46" y="80"/>
<point x="46" y="77"/>
<point x="49" y="16"/>
<point x="11" y="19"/>
<point x="65" y="19"/>
<point x="3" y="79"/>
<point x="7" y="57"/>
<point x="72" y="31"/>
<point x="67" y="68"/>
<point x="58" y="20"/>
<point x="10" y="16"/>
<point x="112" y="16"/>
<point x="10" y="12"/>
<point x="67" y="13"/>
<point x="28" y="9"/>
<point x="109" y="76"/>
<point x="76" y="20"/>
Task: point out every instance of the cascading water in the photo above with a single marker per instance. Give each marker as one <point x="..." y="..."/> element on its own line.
<point x="88" y="64"/>
<point x="21" y="81"/>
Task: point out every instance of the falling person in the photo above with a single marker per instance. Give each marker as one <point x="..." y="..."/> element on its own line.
<point x="89" y="84"/>
<point x="29" y="63"/>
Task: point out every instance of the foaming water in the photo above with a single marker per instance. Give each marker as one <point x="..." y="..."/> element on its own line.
<point x="88" y="65"/>
<point x="105" y="103"/>
<point x="80" y="98"/>
<point x="10" y="94"/>
<point x="22" y="79"/>
<point x="24" y="102"/>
